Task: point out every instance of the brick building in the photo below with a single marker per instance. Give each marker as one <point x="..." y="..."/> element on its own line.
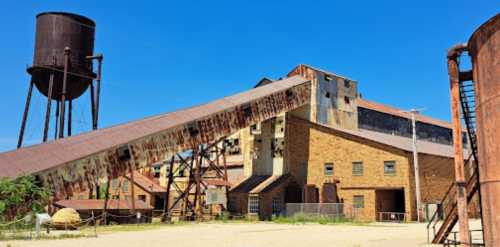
<point x="341" y="148"/>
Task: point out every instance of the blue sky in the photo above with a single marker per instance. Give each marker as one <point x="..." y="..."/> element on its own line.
<point x="164" y="55"/>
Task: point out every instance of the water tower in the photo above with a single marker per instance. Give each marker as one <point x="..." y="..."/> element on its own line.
<point x="62" y="68"/>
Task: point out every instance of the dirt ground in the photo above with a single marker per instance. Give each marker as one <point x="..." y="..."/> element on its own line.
<point x="251" y="235"/>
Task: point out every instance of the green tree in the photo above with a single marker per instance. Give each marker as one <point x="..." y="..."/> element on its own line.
<point x="21" y="196"/>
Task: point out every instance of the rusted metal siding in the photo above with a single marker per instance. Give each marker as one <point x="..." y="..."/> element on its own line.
<point x="484" y="48"/>
<point x="85" y="171"/>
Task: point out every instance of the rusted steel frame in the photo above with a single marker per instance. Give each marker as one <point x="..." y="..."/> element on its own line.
<point x="453" y="72"/>
<point x="98" y="88"/>
<point x="132" y="189"/>
<point x="47" y="113"/>
<point x="56" y="123"/>
<point x="25" y="114"/>
<point x="166" y="212"/>
<point x="63" y="92"/>
<point x="75" y="175"/>
<point x="70" y="112"/>
<point x="92" y="105"/>
<point x="197" y="181"/>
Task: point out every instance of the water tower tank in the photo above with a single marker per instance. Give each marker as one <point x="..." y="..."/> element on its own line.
<point x="54" y="32"/>
<point x="484" y="48"/>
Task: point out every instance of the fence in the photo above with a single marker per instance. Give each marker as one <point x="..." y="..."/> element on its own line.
<point x="391" y="217"/>
<point x="325" y="210"/>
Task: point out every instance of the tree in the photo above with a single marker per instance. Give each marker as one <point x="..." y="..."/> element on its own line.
<point x="21" y="196"/>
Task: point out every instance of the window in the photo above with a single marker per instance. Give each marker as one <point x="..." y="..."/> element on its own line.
<point x="114" y="184"/>
<point x="347" y="100"/>
<point x="157" y="171"/>
<point x="167" y="170"/>
<point x="277" y="205"/>
<point x="142" y="198"/>
<point x="80" y="197"/>
<point x="127" y="197"/>
<point x="328" y="77"/>
<point x="328" y="169"/>
<point x="357" y="168"/>
<point x="347" y="84"/>
<point x="327" y="94"/>
<point x="125" y="186"/>
<point x="253" y="204"/>
<point x="358" y="201"/>
<point x="115" y="197"/>
<point x="389" y="167"/>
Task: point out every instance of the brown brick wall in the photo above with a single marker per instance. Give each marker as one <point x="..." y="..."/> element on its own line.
<point x="330" y="146"/>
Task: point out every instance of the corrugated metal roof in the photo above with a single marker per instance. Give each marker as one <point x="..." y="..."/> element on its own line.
<point x="399" y="142"/>
<point x="52" y="154"/>
<point x="98" y="204"/>
<point x="146" y="183"/>
<point x="397" y="112"/>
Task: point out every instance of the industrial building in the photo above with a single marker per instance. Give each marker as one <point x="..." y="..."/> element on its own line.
<point x="342" y="148"/>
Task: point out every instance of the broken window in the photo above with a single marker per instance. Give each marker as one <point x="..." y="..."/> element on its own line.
<point x="278" y="125"/>
<point x="115" y="197"/>
<point x="328" y="169"/>
<point x="255" y="129"/>
<point x="347" y="84"/>
<point x="114" y="184"/>
<point x="327" y="94"/>
<point x="277" y="147"/>
<point x="347" y="100"/>
<point x="328" y="77"/>
<point x="157" y="171"/>
<point x="390" y="167"/>
<point x="142" y="198"/>
<point x="357" y="168"/>
<point x="358" y="201"/>
<point x="232" y="146"/>
<point x="253" y="204"/>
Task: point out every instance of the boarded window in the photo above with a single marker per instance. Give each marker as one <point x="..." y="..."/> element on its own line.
<point x="328" y="169"/>
<point x="358" y="201"/>
<point x="390" y="167"/>
<point x="357" y="168"/>
<point x="253" y="204"/>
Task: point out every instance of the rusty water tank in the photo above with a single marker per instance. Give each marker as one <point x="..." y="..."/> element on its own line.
<point x="54" y="32"/>
<point x="484" y="49"/>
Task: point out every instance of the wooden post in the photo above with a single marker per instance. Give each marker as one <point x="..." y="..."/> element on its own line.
<point x="166" y="206"/>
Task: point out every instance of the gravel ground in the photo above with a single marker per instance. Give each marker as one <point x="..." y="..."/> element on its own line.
<point x="251" y="235"/>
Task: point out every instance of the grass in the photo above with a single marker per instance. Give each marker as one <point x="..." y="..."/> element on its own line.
<point x="318" y="219"/>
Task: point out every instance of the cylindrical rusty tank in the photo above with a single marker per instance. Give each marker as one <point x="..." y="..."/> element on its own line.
<point x="484" y="49"/>
<point x="54" y="32"/>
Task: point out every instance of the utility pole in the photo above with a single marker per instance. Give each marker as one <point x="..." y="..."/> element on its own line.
<point x="415" y="161"/>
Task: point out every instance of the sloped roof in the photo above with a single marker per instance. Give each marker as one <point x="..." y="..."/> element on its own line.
<point x="399" y="142"/>
<point x="98" y="204"/>
<point x="397" y="112"/>
<point x="54" y="153"/>
<point x="146" y="183"/>
<point x="248" y="184"/>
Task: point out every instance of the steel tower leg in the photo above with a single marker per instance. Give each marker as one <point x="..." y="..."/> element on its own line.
<point x="25" y="115"/>
<point x="49" y="102"/>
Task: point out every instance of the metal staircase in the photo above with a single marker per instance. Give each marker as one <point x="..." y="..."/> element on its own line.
<point x="448" y="210"/>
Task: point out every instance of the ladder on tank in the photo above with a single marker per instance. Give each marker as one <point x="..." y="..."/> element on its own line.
<point x="449" y="203"/>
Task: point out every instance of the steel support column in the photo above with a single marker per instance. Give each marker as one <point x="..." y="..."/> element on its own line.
<point x="25" y="114"/>
<point x="453" y="72"/>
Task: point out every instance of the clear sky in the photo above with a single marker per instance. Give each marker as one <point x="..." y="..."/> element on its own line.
<point x="164" y="55"/>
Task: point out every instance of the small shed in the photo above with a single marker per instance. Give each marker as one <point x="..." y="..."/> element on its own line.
<point x="117" y="210"/>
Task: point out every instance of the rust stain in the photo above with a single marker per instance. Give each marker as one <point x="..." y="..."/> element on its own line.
<point x="81" y="174"/>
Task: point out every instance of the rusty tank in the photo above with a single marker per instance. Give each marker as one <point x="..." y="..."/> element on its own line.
<point x="55" y="32"/>
<point x="484" y="49"/>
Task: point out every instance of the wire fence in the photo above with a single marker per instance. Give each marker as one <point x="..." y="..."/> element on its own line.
<point x="333" y="211"/>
